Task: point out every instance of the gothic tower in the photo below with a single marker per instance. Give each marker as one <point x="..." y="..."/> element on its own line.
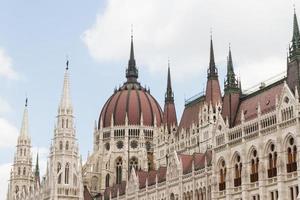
<point x="213" y="92"/>
<point x="169" y="115"/>
<point x="231" y="93"/>
<point x="21" y="183"/>
<point x="293" y="65"/>
<point x="64" y="170"/>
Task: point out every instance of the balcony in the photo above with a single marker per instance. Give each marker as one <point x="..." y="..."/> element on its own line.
<point x="272" y="172"/>
<point x="222" y="186"/>
<point x="291" y="167"/>
<point x="253" y="177"/>
<point x="237" y="182"/>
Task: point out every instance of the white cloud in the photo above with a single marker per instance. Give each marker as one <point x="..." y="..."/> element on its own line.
<point x="259" y="31"/>
<point x="8" y="134"/>
<point x="6" y="68"/>
<point x="4" y="177"/>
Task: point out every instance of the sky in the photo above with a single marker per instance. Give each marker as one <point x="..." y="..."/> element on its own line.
<point x="36" y="38"/>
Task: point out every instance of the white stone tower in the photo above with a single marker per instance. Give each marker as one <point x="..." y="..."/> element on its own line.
<point x="64" y="177"/>
<point x="21" y="183"/>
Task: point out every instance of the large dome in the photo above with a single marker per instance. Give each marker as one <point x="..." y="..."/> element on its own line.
<point x="131" y="99"/>
<point x="134" y="100"/>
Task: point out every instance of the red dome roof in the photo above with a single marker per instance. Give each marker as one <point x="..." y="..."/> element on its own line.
<point x="133" y="100"/>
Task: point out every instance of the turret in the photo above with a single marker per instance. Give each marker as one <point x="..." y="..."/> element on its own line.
<point x="231" y="93"/>
<point x="293" y="62"/>
<point x="169" y="115"/>
<point x="213" y="92"/>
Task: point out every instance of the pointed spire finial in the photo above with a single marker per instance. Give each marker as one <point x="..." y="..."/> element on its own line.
<point x="65" y="101"/>
<point x="26" y="102"/>
<point x="24" y="127"/>
<point x="131" y="71"/>
<point x="169" y="97"/>
<point x="295" y="44"/>
<point x="231" y="82"/>
<point x="212" y="70"/>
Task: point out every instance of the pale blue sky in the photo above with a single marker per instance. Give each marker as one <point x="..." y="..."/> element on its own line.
<point x="37" y="36"/>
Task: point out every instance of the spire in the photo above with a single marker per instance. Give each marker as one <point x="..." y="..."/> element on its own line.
<point x="169" y="97"/>
<point x="24" y="127"/>
<point x="65" y="101"/>
<point x="131" y="71"/>
<point x="212" y="70"/>
<point x="295" y="44"/>
<point x="37" y="170"/>
<point x="231" y="83"/>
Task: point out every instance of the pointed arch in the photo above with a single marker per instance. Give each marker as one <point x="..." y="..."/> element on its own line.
<point x="67" y="172"/>
<point x="119" y="166"/>
<point x="60" y="145"/>
<point x="107" y="179"/>
<point x="59" y="173"/>
<point x="291" y="153"/>
<point x="67" y="145"/>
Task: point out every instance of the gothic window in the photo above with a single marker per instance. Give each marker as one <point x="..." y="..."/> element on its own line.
<point x="62" y="123"/>
<point x="237" y="171"/>
<point x="67" y="123"/>
<point x="134" y="144"/>
<point x="107" y="146"/>
<point x="59" y="173"/>
<point x="19" y="171"/>
<point x="133" y="163"/>
<point x="120" y="144"/>
<point x="272" y="165"/>
<point x="60" y="145"/>
<point x="74" y="180"/>
<point x="254" y="167"/>
<point x="24" y="171"/>
<point x="24" y="152"/>
<point x="291" y="156"/>
<point x="119" y="170"/>
<point x="21" y="152"/>
<point x="107" y="180"/>
<point x="94" y="183"/>
<point x="17" y="189"/>
<point x="222" y="184"/>
<point x="24" y="189"/>
<point x="67" y="145"/>
<point x="67" y="170"/>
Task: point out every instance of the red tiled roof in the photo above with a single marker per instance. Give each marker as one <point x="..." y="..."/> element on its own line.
<point x="213" y="92"/>
<point x="113" y="190"/>
<point x="134" y="101"/>
<point x="169" y="116"/>
<point x="266" y="97"/>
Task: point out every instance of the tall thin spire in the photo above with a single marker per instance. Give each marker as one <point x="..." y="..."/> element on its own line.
<point x="169" y="97"/>
<point x="65" y="101"/>
<point x="24" y="127"/>
<point x="231" y="83"/>
<point x="131" y="71"/>
<point x="37" y="170"/>
<point x="212" y="70"/>
<point x="295" y="44"/>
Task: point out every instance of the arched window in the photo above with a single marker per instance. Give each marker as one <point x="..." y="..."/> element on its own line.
<point x="254" y="166"/>
<point x="172" y="196"/>
<point x="21" y="152"/>
<point x="24" y="152"/>
<point x="17" y="189"/>
<point x="24" y="171"/>
<point x="119" y="170"/>
<point x="67" y="123"/>
<point x="133" y="163"/>
<point x="291" y="156"/>
<point x="222" y="184"/>
<point x="67" y="145"/>
<point x="62" y="123"/>
<point x="107" y="180"/>
<point x="272" y="157"/>
<point x="59" y="173"/>
<point x="19" y="171"/>
<point x="67" y="170"/>
<point x="60" y="145"/>
<point x="94" y="183"/>
<point x="238" y="171"/>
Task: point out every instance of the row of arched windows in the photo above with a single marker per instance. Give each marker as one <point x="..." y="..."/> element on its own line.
<point x="199" y="194"/>
<point x="66" y="173"/>
<point x="65" y="123"/>
<point x="272" y="156"/>
<point x="22" y="152"/>
<point x="61" y="145"/>
<point x="24" y="171"/>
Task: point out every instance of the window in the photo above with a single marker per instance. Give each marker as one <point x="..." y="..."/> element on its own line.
<point x="238" y="171"/>
<point x="19" y="171"/>
<point x="17" y="189"/>
<point x="62" y="123"/>
<point x="59" y="173"/>
<point x="254" y="167"/>
<point x="274" y="195"/>
<point x="60" y="145"/>
<point x="294" y="191"/>
<point x="119" y="170"/>
<point x="107" y="180"/>
<point x="272" y="168"/>
<point x="94" y="183"/>
<point x="24" y="171"/>
<point x="67" y="169"/>
<point x="222" y="184"/>
<point x="67" y="145"/>
<point x="291" y="156"/>
<point x="133" y="163"/>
